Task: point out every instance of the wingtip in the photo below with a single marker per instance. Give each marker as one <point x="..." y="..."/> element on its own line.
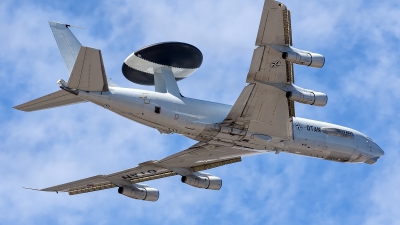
<point x="34" y="189"/>
<point x="18" y="107"/>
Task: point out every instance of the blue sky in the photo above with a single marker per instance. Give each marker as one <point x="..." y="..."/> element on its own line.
<point x="360" y="40"/>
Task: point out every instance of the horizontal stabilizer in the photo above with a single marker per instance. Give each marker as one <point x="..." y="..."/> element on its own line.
<point x="67" y="43"/>
<point x="56" y="99"/>
<point x="88" y="73"/>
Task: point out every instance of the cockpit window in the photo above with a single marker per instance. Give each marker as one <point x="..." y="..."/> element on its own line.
<point x="337" y="132"/>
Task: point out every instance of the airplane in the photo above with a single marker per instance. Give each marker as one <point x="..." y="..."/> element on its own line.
<point x="262" y="120"/>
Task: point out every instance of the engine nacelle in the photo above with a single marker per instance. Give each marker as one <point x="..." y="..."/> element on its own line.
<point x="304" y="58"/>
<point x="308" y="97"/>
<point x="203" y="181"/>
<point x="140" y="192"/>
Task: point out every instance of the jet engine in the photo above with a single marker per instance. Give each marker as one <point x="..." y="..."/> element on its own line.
<point x="304" y="58"/>
<point x="140" y="192"/>
<point x="203" y="181"/>
<point x="308" y="97"/>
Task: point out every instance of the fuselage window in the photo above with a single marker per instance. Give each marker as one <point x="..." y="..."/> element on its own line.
<point x="157" y="109"/>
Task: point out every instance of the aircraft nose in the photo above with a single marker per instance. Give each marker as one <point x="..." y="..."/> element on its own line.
<point x="380" y="152"/>
<point x="377" y="153"/>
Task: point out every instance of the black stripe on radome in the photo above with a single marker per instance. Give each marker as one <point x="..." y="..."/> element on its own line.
<point x="175" y="54"/>
<point x="139" y="77"/>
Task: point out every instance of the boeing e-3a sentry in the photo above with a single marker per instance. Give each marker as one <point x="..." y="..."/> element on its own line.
<point x="262" y="120"/>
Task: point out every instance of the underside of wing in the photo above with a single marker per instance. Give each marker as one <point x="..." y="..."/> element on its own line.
<point x="188" y="163"/>
<point x="267" y="112"/>
<point x="96" y="182"/>
<point x="263" y="108"/>
<point x="275" y="26"/>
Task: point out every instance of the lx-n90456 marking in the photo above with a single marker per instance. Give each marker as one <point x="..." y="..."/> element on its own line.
<point x="262" y="119"/>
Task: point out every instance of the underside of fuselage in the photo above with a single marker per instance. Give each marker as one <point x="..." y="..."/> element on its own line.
<point x="201" y="121"/>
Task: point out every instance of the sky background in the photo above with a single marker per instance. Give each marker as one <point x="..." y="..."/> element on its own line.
<point x="360" y="40"/>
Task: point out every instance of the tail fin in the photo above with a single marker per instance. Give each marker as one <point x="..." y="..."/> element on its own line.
<point x="67" y="43"/>
<point x="88" y="74"/>
<point x="85" y="66"/>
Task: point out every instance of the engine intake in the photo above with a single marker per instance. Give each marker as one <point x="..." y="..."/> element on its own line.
<point x="308" y="97"/>
<point x="203" y="181"/>
<point x="304" y="58"/>
<point x="140" y="192"/>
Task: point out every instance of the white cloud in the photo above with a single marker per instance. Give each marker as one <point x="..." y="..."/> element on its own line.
<point x="55" y="146"/>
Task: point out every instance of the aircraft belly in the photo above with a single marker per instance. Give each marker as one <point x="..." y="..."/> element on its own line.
<point x="306" y="148"/>
<point x="185" y="119"/>
<point x="166" y="113"/>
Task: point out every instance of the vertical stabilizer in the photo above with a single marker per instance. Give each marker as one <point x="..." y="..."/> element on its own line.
<point x="67" y="43"/>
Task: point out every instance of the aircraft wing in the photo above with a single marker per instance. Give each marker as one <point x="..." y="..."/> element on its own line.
<point x="263" y="108"/>
<point x="201" y="156"/>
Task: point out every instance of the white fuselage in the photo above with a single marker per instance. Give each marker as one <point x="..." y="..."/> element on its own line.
<point x="194" y="118"/>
